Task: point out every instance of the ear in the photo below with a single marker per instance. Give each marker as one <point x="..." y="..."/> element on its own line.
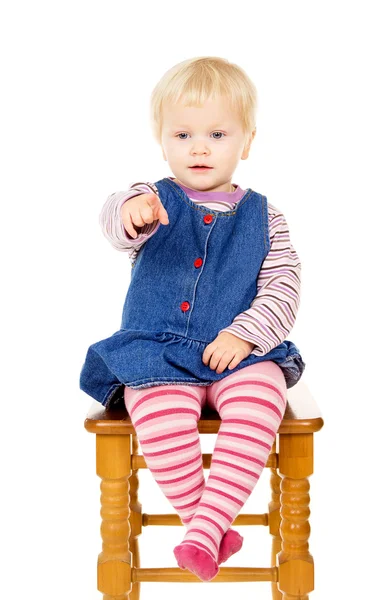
<point x="163" y="153"/>
<point x="245" y="154"/>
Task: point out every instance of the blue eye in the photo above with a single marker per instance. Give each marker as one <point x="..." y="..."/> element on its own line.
<point x="183" y="133"/>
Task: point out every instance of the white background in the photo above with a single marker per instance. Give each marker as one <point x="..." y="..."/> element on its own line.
<point x="76" y="78"/>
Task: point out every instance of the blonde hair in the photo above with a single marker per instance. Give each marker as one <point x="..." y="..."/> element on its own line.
<point x="197" y="79"/>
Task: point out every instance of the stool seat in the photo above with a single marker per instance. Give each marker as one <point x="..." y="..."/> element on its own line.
<point x="290" y="461"/>
<point x="301" y="415"/>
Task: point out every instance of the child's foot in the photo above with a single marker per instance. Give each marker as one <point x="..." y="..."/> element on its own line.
<point x="231" y="542"/>
<point x="196" y="560"/>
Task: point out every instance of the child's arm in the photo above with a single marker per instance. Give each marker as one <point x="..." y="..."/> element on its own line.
<point x="272" y="313"/>
<point x="112" y="225"/>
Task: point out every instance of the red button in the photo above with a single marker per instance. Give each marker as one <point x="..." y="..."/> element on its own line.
<point x="198" y="262"/>
<point x="185" y="306"/>
<point x="208" y="218"/>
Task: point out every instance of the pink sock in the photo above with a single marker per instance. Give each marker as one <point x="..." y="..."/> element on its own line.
<point x="198" y="561"/>
<point x="231" y="543"/>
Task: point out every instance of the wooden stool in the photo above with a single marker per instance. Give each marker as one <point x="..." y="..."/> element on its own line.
<point x="117" y="463"/>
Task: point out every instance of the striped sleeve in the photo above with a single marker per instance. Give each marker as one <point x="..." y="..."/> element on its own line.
<point x="272" y="313"/>
<point x="111" y="222"/>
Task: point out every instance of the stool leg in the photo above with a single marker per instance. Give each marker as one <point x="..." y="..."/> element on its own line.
<point x="113" y="457"/>
<point x="295" y="563"/>
<point x="135" y="519"/>
<point x="274" y="520"/>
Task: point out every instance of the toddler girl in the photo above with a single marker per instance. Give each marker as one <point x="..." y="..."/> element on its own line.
<point x="214" y="293"/>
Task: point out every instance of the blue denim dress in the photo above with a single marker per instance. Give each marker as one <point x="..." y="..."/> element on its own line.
<point x="188" y="281"/>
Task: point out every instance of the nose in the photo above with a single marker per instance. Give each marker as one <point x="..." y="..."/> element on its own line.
<point x="199" y="148"/>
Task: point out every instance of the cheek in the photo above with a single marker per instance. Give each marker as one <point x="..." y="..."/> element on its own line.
<point x="229" y="153"/>
<point x="177" y="152"/>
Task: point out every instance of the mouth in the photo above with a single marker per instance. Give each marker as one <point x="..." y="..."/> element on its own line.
<point x="200" y="168"/>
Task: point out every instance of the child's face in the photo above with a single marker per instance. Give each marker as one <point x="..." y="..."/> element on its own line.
<point x="210" y="135"/>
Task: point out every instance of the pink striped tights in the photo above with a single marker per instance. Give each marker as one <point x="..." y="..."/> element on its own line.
<point x="251" y="404"/>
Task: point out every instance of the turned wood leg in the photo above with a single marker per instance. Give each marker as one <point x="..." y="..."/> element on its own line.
<point x="274" y="520"/>
<point x="113" y="457"/>
<point x="295" y="563"/>
<point x="135" y="518"/>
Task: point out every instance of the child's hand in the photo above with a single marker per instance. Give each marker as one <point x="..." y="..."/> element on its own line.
<point x="226" y="349"/>
<point x="142" y="209"/>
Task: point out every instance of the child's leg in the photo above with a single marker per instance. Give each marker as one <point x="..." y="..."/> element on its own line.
<point x="165" y="419"/>
<point x="251" y="404"/>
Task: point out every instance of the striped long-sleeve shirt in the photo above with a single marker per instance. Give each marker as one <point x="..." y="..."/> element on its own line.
<point x="272" y="313"/>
